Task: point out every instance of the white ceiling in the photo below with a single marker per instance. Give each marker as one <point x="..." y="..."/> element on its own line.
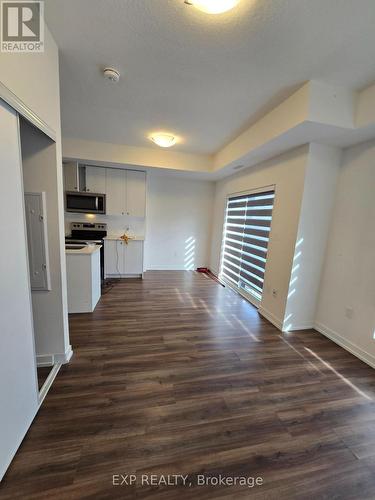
<point x="205" y="78"/>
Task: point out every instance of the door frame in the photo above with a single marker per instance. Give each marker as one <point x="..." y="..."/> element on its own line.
<point x="250" y="298"/>
<point x="20" y="107"/>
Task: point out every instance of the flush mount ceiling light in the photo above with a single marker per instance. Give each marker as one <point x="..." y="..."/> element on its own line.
<point x="163" y="140"/>
<point x="213" y="6"/>
<point x="111" y="74"/>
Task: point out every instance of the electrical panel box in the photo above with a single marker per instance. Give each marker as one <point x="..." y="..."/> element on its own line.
<point x="37" y="241"/>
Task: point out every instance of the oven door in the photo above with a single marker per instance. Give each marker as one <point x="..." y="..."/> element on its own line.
<point x="88" y="203"/>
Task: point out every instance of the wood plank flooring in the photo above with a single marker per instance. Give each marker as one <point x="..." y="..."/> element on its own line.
<point x="43" y="372"/>
<point x="177" y="375"/>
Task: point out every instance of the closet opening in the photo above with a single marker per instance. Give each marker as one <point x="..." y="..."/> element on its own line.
<point x="38" y="153"/>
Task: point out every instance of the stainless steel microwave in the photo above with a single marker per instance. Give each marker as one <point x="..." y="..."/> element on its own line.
<point x="83" y="202"/>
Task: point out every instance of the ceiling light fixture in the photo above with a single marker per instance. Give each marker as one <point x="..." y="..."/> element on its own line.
<point x="213" y="6"/>
<point x="163" y="140"/>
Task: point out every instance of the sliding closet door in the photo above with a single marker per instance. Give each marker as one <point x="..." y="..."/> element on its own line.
<point x="18" y="381"/>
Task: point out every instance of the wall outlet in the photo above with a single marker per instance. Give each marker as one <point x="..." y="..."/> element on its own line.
<point x="349" y="312"/>
<point x="274" y="292"/>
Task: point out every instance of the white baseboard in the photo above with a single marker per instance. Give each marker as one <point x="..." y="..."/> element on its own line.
<point x="44" y="360"/>
<point x="271" y="317"/>
<point x="168" y="267"/>
<point x="53" y="359"/>
<point x="49" y="381"/>
<point x="64" y="358"/>
<point x="300" y="326"/>
<point x="122" y="276"/>
<point x="346" y="344"/>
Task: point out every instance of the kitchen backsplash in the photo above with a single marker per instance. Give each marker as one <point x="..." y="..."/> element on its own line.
<point x="116" y="224"/>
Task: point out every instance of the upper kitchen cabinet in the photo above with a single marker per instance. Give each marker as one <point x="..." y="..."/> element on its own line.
<point x="74" y="176"/>
<point x="135" y="193"/>
<point x="126" y="192"/>
<point x="95" y="180"/>
<point x="115" y="191"/>
<point x="71" y="176"/>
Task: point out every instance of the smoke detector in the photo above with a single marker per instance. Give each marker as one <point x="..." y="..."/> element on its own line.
<point x="111" y="74"/>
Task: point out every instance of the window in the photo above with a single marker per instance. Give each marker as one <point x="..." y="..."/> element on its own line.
<point x="246" y="235"/>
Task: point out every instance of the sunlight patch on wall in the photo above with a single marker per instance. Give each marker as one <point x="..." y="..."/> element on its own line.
<point x="287" y="324"/>
<point x="189" y="261"/>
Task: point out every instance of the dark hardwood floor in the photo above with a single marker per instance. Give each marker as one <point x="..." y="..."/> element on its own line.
<point x="177" y="375"/>
<point x="43" y="372"/>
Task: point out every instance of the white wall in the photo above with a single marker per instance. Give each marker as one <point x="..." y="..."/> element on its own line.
<point x="104" y="153"/>
<point x="40" y="174"/>
<point x="313" y="232"/>
<point x="34" y="80"/>
<point x="18" y="383"/>
<point x="349" y="272"/>
<point x="286" y="172"/>
<point x="178" y="224"/>
<point x="292" y="112"/>
<point x="177" y="209"/>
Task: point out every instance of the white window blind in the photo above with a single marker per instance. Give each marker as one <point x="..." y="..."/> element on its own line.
<point x="246" y="235"/>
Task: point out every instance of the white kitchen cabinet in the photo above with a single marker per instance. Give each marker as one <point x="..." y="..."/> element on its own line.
<point x="125" y="189"/>
<point x="95" y="179"/>
<point x="70" y="175"/>
<point x="83" y="279"/>
<point x="113" y="258"/>
<point x="115" y="191"/>
<point x="123" y="260"/>
<point x="135" y="197"/>
<point x="133" y="257"/>
<point x="126" y="192"/>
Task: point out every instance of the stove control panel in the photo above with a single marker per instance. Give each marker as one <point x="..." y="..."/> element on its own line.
<point x="88" y="226"/>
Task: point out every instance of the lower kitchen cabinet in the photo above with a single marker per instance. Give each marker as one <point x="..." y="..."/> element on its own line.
<point x="123" y="260"/>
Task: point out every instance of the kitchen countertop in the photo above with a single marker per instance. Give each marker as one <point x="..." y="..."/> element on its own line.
<point x="118" y="237"/>
<point x="87" y="250"/>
